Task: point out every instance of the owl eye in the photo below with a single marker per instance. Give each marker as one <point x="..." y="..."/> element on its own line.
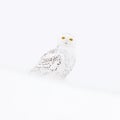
<point x="71" y="39"/>
<point x="63" y="37"/>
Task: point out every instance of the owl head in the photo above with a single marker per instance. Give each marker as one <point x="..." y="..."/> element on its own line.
<point x="67" y="40"/>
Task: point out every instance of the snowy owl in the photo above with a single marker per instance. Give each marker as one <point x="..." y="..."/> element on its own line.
<point x="60" y="61"/>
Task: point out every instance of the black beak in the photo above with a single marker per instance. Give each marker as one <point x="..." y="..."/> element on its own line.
<point x="66" y="43"/>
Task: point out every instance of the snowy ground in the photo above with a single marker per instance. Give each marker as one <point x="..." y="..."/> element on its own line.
<point x="26" y="97"/>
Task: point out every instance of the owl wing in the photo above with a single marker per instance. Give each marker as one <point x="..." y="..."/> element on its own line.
<point x="49" y="62"/>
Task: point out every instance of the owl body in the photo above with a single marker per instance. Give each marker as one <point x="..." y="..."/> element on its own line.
<point x="68" y="60"/>
<point x="57" y="62"/>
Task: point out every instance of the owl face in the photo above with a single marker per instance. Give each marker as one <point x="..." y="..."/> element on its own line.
<point x="67" y="39"/>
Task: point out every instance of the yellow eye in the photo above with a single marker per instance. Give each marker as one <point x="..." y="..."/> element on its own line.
<point x="71" y="39"/>
<point x="63" y="37"/>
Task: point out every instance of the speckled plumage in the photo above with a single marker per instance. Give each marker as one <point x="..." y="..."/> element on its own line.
<point x="57" y="62"/>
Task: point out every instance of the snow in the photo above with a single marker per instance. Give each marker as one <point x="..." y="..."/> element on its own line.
<point x="28" y="97"/>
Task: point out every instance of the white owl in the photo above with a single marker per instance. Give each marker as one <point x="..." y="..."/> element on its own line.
<point x="58" y="62"/>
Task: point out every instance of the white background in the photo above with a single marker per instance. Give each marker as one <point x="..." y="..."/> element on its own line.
<point x="29" y="28"/>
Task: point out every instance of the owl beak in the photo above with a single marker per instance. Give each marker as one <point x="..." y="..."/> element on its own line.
<point x="66" y="43"/>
